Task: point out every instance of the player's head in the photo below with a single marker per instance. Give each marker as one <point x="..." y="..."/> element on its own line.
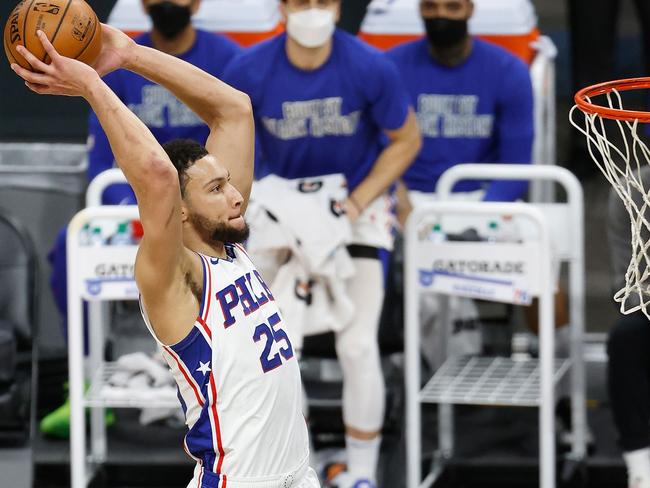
<point x="170" y="17"/>
<point x="446" y="21"/>
<point x="311" y="23"/>
<point x="211" y="205"/>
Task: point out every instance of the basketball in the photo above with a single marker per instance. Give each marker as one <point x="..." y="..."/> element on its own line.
<point x="71" y="26"/>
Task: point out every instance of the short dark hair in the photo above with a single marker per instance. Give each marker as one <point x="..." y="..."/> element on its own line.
<point x="183" y="153"/>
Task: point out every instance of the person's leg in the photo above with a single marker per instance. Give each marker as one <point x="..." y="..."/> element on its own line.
<point x="358" y="352"/>
<point x="628" y="373"/>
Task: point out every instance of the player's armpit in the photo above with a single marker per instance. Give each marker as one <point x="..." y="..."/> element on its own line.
<point x="171" y="296"/>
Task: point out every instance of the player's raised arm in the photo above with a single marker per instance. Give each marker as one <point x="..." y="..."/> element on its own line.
<point x="225" y="110"/>
<point x="144" y="162"/>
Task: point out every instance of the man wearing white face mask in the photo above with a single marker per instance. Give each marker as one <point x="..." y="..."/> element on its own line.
<point x="326" y="103"/>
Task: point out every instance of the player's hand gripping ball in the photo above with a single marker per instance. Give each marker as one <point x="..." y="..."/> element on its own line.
<point x="71" y="25"/>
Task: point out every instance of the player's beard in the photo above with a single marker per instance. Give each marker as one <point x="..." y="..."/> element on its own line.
<point x="218" y="232"/>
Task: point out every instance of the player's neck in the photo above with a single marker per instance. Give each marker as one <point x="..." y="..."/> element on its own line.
<point x="192" y="241"/>
<point x="308" y="58"/>
<point x="180" y="44"/>
<point x="216" y="250"/>
<point x="453" y="55"/>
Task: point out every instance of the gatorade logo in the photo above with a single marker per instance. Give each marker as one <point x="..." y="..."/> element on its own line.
<point x="303" y="291"/>
<point x="337" y="208"/>
<point x="47" y="8"/>
<point x="309" y="186"/>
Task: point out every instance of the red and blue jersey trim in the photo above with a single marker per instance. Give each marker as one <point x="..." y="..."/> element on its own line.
<point x="203" y="441"/>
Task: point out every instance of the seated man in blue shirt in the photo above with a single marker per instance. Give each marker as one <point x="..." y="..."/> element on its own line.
<point x="173" y="33"/>
<point x="325" y="103"/>
<point x="473" y="99"/>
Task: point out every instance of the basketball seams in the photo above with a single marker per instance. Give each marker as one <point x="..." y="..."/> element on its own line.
<point x="58" y="27"/>
<point x="71" y="40"/>
<point x="11" y="57"/>
<point x="29" y="9"/>
<point x="90" y="41"/>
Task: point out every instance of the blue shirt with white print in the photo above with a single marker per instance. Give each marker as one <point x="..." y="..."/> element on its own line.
<point x="323" y="121"/>
<point x="161" y="112"/>
<point x="480" y="111"/>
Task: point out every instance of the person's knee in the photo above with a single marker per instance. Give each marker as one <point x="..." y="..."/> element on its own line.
<point x="628" y="333"/>
<point x="356" y="350"/>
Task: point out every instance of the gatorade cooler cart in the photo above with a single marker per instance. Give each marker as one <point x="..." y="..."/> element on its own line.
<point x="509" y="23"/>
<point x="98" y="273"/>
<point x="507" y="272"/>
<point x="244" y="21"/>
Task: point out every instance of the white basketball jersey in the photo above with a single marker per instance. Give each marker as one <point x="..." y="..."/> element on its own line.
<point x="238" y="378"/>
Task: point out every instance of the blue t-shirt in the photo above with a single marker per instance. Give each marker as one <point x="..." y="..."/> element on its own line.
<point x="162" y="112"/>
<point x="480" y="111"/>
<point x="324" y="121"/>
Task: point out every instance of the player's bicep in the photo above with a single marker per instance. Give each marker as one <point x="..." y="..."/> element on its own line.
<point x="159" y="204"/>
<point x="232" y="142"/>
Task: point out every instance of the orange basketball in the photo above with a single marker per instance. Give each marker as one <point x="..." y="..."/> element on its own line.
<point x="71" y="26"/>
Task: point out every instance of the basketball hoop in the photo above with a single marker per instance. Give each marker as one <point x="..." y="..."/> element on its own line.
<point x="622" y="168"/>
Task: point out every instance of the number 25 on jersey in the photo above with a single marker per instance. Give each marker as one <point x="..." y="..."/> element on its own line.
<point x="273" y="334"/>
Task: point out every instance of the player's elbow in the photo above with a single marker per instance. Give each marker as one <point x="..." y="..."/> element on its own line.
<point x="242" y="105"/>
<point x="238" y="107"/>
<point x="160" y="171"/>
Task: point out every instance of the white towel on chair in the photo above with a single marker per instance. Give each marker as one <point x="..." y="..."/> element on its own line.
<point x="305" y="220"/>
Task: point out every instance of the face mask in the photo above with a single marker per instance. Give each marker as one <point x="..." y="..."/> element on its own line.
<point x="442" y="32"/>
<point x="312" y="27"/>
<point x="169" y="19"/>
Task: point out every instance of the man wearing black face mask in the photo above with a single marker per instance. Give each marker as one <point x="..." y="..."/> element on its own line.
<point x="162" y="113"/>
<point x="474" y="103"/>
<point x="173" y="33"/>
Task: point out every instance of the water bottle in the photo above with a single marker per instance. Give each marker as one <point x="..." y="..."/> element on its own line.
<point x="122" y="237"/>
<point x="437" y="235"/>
<point x="137" y="231"/>
<point x="84" y="235"/>
<point x="96" y="238"/>
<point x="509" y="230"/>
<point x="492" y="234"/>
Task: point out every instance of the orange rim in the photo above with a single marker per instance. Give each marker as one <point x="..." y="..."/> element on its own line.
<point x="608" y="87"/>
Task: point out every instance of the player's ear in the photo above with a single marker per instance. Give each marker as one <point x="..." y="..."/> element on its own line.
<point x="184" y="212"/>
<point x="470" y="11"/>
<point x="194" y="6"/>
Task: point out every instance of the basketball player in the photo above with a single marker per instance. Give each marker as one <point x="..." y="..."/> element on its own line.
<point x="216" y="319"/>
<point x="166" y="117"/>
<point x="326" y="103"/>
<point x="473" y="99"/>
<point x="628" y="368"/>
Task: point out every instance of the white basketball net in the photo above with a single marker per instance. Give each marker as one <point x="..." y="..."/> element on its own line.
<point x="622" y="168"/>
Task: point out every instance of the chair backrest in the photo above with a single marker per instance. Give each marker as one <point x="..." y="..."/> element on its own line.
<point x="17" y="279"/>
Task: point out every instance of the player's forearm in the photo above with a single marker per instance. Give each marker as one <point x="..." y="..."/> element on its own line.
<point x="136" y="150"/>
<point x="391" y="164"/>
<point x="210" y="98"/>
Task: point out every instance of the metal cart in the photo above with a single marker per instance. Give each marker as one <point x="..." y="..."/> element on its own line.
<point x="90" y="278"/>
<point x="557" y="232"/>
